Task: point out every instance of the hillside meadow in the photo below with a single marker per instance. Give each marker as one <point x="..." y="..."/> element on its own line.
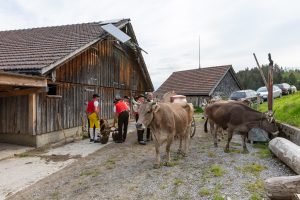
<point x="287" y="109"/>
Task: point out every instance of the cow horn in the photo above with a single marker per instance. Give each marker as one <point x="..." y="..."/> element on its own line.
<point x="275" y="134"/>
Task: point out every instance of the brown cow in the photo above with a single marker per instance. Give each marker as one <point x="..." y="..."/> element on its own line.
<point x="237" y="117"/>
<point x="214" y="126"/>
<point x="169" y="119"/>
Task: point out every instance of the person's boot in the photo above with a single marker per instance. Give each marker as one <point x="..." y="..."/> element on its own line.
<point x="140" y="137"/>
<point x="91" y="130"/>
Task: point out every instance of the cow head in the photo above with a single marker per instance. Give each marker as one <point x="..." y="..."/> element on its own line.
<point x="270" y="124"/>
<point x="146" y="112"/>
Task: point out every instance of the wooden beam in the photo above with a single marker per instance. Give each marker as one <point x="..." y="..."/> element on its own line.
<point x="21" y="80"/>
<point x="23" y="92"/>
<point x="32" y="114"/>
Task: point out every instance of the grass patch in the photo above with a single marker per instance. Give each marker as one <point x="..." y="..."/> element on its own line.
<point x="110" y="164"/>
<point x="90" y="172"/>
<point x="173" y="163"/>
<point x="264" y="153"/>
<point x="232" y="150"/>
<point x="178" y="181"/>
<point x="198" y="109"/>
<point x="235" y="144"/>
<point x="218" y="197"/>
<point x="211" y="154"/>
<point x="22" y="155"/>
<point x="260" y="145"/>
<point x="256" y="196"/>
<point x="204" y="191"/>
<point x="217" y="170"/>
<point x="252" y="168"/>
<point x="258" y="185"/>
<point x="287" y="109"/>
<point x="163" y="186"/>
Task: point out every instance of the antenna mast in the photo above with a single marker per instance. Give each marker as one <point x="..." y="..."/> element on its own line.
<point x="199" y="53"/>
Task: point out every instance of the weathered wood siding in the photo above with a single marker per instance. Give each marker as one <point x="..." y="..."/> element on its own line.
<point x="226" y="86"/>
<point x="107" y="68"/>
<point x="14" y="114"/>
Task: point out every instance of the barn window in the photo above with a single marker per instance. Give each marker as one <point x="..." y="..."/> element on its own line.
<point x="52" y="91"/>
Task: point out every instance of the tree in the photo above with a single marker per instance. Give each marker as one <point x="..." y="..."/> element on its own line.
<point x="292" y="79"/>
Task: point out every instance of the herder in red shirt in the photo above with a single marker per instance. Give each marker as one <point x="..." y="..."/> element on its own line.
<point x="92" y="111"/>
<point x="121" y="110"/>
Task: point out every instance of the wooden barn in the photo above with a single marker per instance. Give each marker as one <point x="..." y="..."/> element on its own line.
<point x="199" y="84"/>
<point x="47" y="74"/>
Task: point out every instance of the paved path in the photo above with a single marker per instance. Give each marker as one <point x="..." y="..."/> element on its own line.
<point x="19" y="172"/>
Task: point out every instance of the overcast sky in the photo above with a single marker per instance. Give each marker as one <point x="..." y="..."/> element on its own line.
<point x="230" y="30"/>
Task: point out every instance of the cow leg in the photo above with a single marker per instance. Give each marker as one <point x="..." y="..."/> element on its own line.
<point x="215" y="136"/>
<point x="244" y="137"/>
<point x="168" y="146"/>
<point x="180" y="145"/>
<point x="157" y="146"/>
<point x="186" y="141"/>
<point x="230" y="132"/>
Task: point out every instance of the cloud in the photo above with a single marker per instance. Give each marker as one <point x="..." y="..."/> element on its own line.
<point x="230" y="30"/>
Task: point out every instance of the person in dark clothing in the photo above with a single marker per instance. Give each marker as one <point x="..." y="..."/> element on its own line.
<point x="121" y="110"/>
<point x="140" y="132"/>
<point x="148" y="132"/>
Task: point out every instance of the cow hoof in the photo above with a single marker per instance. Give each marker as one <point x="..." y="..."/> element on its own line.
<point x="156" y="166"/>
<point x="215" y="145"/>
<point x="183" y="154"/>
<point x="167" y="164"/>
<point x="179" y="151"/>
<point x="245" y="151"/>
<point x="226" y="150"/>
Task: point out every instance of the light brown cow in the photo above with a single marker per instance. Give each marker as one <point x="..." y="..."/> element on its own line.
<point x="238" y="118"/>
<point x="167" y="119"/>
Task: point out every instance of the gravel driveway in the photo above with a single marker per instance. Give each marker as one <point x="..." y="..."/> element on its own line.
<point x="125" y="171"/>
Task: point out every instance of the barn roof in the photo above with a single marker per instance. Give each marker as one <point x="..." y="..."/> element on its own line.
<point x="39" y="50"/>
<point x="196" y="82"/>
<point x="36" y="48"/>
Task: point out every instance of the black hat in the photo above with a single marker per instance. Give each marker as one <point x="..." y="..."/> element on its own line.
<point x="96" y="95"/>
<point x="141" y="95"/>
<point x="126" y="97"/>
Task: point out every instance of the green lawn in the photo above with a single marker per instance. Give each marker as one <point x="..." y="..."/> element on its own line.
<point x="287" y="109"/>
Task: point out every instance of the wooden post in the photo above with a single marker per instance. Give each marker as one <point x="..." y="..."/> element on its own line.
<point x="270" y="85"/>
<point x="32" y="114"/>
<point x="260" y="70"/>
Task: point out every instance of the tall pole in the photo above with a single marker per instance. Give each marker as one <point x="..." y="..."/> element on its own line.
<point x="199" y="53"/>
<point x="261" y="72"/>
<point x="270" y="85"/>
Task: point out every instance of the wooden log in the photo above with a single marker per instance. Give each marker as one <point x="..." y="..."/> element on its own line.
<point x="284" y="187"/>
<point x="287" y="152"/>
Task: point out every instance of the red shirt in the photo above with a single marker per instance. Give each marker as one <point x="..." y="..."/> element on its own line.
<point x="91" y="106"/>
<point x="121" y="106"/>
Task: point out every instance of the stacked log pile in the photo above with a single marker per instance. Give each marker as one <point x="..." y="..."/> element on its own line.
<point x="285" y="187"/>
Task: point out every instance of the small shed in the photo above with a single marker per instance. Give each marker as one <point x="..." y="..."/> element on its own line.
<point x="202" y="83"/>
<point x="47" y="75"/>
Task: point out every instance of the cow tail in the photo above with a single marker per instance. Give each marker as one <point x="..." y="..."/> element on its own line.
<point x="205" y="125"/>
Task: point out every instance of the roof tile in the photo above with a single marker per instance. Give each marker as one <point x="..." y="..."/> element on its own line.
<point x="196" y="81"/>
<point x="38" y="47"/>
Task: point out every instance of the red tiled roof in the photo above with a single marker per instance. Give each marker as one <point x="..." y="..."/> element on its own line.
<point x="194" y="82"/>
<point x="33" y="49"/>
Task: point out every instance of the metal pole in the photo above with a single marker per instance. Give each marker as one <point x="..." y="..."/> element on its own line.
<point x="270" y="85"/>
<point x="260" y="70"/>
<point x="199" y="53"/>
